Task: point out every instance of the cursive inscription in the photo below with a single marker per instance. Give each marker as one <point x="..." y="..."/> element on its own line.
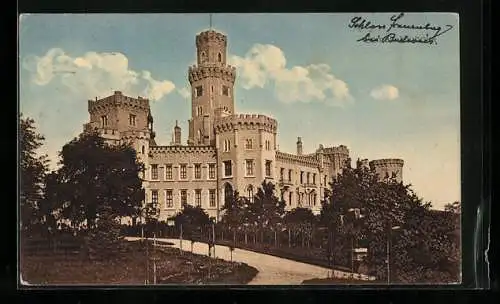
<point x="397" y="31"/>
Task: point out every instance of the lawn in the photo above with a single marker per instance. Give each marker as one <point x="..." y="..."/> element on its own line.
<point x="130" y="268"/>
<point x="339" y="281"/>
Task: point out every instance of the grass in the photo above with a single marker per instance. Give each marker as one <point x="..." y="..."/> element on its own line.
<point x="130" y="268"/>
<point x="313" y="256"/>
<point x="339" y="281"/>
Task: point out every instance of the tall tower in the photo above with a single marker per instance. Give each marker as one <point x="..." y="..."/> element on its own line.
<point x="212" y="83"/>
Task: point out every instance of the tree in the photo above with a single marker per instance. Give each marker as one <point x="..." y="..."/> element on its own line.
<point x="104" y="240"/>
<point x="233" y="210"/>
<point x="267" y="210"/>
<point x="94" y="173"/>
<point x="193" y="220"/>
<point x="301" y="221"/>
<point x="454" y="207"/>
<point x="33" y="168"/>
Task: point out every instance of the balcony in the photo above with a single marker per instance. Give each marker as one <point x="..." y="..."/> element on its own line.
<point x="309" y="185"/>
<point x="285" y="182"/>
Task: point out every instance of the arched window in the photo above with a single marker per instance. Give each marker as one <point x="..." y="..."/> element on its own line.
<point x="228" y="192"/>
<point x="143" y="150"/>
<point x="219" y="57"/>
<point x="250" y="193"/>
<point x="199" y="136"/>
<point x="227" y="145"/>
<point x="203" y="57"/>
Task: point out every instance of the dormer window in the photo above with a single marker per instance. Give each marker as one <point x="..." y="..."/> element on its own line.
<point x="131" y="119"/>
<point x="104" y="121"/>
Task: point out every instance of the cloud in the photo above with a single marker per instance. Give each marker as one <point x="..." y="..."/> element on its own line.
<point x="265" y="64"/>
<point x="184" y="92"/>
<point x="385" y="92"/>
<point x="95" y="74"/>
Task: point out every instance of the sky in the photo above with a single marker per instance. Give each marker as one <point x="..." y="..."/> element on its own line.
<point x="309" y="71"/>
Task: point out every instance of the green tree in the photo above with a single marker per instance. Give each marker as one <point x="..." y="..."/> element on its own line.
<point x="267" y="210"/>
<point x="33" y="168"/>
<point x="94" y="173"/>
<point x="233" y="213"/>
<point x="300" y="221"/>
<point x="104" y="240"/>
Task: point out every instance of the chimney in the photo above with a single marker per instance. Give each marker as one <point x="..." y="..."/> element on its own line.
<point x="177" y="134"/>
<point x="299" y="146"/>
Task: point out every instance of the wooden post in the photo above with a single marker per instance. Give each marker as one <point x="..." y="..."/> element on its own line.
<point x="180" y="237"/>
<point x="213" y="235"/>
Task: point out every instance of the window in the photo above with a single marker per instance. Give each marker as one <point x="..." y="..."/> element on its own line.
<point x="199" y="110"/>
<point x="324" y="181"/>
<point x="268" y="168"/>
<point x="315" y="197"/>
<point x="183" y="172"/>
<point x="225" y="90"/>
<point x="219" y="57"/>
<point x="154" y="171"/>
<point x="211" y="171"/>
<point x="268" y="145"/>
<point x="282" y="172"/>
<point x="143" y="150"/>
<point x="199" y="136"/>
<point x="168" y="172"/>
<point x="199" y="91"/>
<point x="228" y="170"/>
<point x="301" y="177"/>
<point x="183" y="197"/>
<point x="290" y="175"/>
<point x="211" y="197"/>
<point x="131" y="119"/>
<point x="249" y="167"/>
<point x="248" y="143"/>
<point x="197" y="171"/>
<point x="197" y="197"/>
<point x="154" y="197"/>
<point x="307" y="178"/>
<point x="227" y="145"/>
<point x="104" y="120"/>
<point x="290" y="199"/>
<point x="169" y="202"/>
<point x="314" y="178"/>
<point x="250" y="193"/>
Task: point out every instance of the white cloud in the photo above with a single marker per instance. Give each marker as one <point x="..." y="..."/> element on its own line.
<point x="385" y="92"/>
<point x="184" y="92"/>
<point x="95" y="74"/>
<point x="264" y="64"/>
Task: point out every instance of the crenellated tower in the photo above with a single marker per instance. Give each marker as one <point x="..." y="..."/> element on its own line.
<point x="212" y="84"/>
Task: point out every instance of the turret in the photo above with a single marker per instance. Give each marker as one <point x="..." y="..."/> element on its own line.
<point x="177" y="134"/>
<point x="299" y="146"/>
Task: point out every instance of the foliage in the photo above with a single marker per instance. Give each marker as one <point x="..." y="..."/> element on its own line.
<point x="192" y="219"/>
<point x="301" y="221"/>
<point x="94" y="173"/>
<point x="31" y="173"/>
<point x="233" y="211"/>
<point x="104" y="240"/>
<point x="267" y="210"/>
<point x="422" y="242"/>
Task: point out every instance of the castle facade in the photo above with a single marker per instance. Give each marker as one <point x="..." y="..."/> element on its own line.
<point x="224" y="151"/>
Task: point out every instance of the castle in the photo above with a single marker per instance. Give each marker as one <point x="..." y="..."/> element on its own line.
<point x="225" y="151"/>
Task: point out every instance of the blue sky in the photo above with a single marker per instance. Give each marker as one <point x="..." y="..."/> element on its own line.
<point x="306" y="70"/>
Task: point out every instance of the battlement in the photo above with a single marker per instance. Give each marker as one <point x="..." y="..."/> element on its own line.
<point x="197" y="73"/>
<point x="118" y="99"/>
<point x="181" y="149"/>
<point x="246" y="121"/>
<point x="211" y="36"/>
<point x="136" y="134"/>
<point x="387" y="162"/>
<point x="334" y="150"/>
<point x="297" y="159"/>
